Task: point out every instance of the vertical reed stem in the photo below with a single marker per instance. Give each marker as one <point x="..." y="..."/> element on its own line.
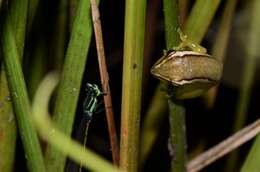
<point x="132" y="83"/>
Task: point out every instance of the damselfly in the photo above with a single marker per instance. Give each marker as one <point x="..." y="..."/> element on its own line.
<point x="89" y="107"/>
<point x="90" y="102"/>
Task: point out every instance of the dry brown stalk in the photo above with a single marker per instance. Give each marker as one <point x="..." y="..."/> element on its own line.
<point x="105" y="82"/>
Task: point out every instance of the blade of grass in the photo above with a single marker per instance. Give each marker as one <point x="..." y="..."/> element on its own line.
<point x="199" y="19"/>
<point x="37" y="56"/>
<point x="252" y="49"/>
<point x="60" y="140"/>
<point x="18" y="16"/>
<point x="247" y="81"/>
<point x="132" y="83"/>
<point x="200" y="22"/>
<point x="69" y="87"/>
<point x="219" y="50"/>
<point x="38" y="64"/>
<point x="153" y="122"/>
<point x="60" y="33"/>
<point x="105" y="82"/>
<point x="7" y="122"/>
<point x="33" y="5"/>
<point x="252" y="160"/>
<point x="220" y="44"/>
<point x="20" y="99"/>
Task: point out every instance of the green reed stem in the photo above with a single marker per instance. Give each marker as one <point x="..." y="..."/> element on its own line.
<point x="20" y="99"/>
<point x="177" y="136"/>
<point x="69" y="86"/>
<point x="176" y="109"/>
<point x="132" y="83"/>
<point x="18" y="15"/>
<point x="171" y="23"/>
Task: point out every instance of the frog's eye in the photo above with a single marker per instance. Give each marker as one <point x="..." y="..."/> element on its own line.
<point x="192" y="73"/>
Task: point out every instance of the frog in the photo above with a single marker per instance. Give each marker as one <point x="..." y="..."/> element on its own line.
<point x="188" y="68"/>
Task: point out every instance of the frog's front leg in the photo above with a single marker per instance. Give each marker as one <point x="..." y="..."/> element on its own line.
<point x="186" y="43"/>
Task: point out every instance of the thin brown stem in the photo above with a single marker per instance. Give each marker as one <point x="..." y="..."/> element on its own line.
<point x="224" y="147"/>
<point x="105" y="82"/>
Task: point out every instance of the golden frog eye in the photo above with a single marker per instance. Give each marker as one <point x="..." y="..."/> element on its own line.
<point x="191" y="72"/>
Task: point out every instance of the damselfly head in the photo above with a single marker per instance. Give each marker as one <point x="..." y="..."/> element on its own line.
<point x="93" y="89"/>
